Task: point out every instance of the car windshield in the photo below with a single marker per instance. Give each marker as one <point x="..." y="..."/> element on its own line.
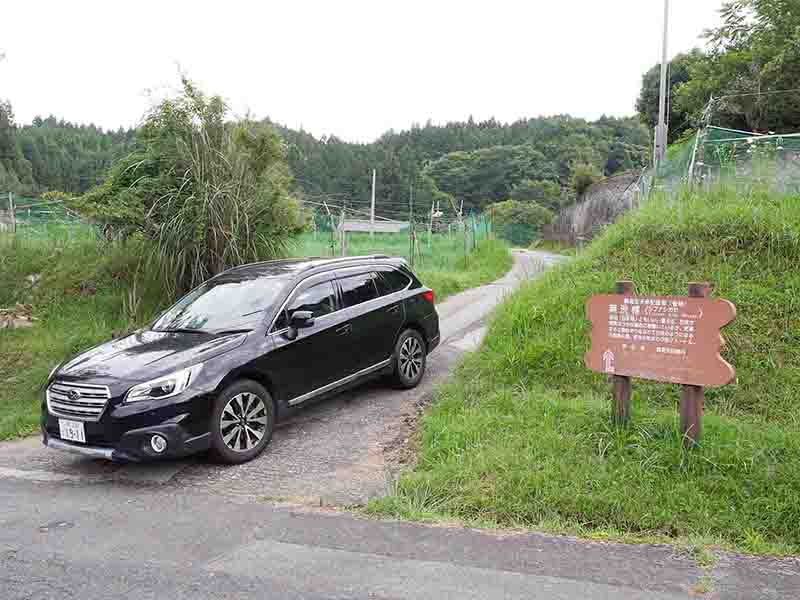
<point x="222" y="304"/>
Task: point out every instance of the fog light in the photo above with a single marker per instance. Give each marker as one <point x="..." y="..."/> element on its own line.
<point x="158" y="443"/>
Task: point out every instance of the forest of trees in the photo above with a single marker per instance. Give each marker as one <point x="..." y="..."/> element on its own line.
<point x="52" y="154"/>
<point x="477" y="162"/>
<point x="751" y="67"/>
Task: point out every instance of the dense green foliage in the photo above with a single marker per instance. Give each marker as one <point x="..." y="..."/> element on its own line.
<point x="89" y="291"/>
<point x="544" y="193"/>
<point x="207" y="192"/>
<point x="477" y="162"/>
<point x="519" y="222"/>
<point x="751" y="55"/>
<point x="51" y="154"/>
<point x="523" y="436"/>
<point x="647" y="103"/>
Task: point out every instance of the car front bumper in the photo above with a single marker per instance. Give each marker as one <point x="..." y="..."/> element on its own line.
<point x="124" y="432"/>
<point x="135" y="445"/>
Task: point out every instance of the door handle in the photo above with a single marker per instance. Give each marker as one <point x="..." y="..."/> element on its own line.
<point x="344" y="329"/>
<point x="393" y="309"/>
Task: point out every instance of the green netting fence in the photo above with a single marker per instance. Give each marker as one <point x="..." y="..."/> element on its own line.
<point x="427" y="245"/>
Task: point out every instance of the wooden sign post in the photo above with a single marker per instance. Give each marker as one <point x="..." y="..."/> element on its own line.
<point x="672" y="339"/>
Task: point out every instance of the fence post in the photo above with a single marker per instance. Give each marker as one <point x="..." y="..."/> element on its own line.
<point x="344" y="235"/>
<point x="13" y="212"/>
<point x="693" y="396"/>
<point x="621" y="411"/>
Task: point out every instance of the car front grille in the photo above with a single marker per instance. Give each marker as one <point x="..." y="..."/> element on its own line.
<point x="79" y="401"/>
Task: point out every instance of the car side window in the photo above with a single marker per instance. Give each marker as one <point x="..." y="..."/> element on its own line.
<point x="391" y="281"/>
<point x="319" y="300"/>
<point x="358" y="288"/>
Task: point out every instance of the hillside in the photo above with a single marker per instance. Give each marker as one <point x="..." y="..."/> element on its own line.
<point x="52" y="154"/>
<point x="522" y="437"/>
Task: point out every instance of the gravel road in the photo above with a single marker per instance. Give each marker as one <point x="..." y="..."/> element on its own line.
<point x="341" y="451"/>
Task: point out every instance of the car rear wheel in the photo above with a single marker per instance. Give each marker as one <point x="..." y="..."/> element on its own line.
<point x="409" y="359"/>
<point x="242" y="422"/>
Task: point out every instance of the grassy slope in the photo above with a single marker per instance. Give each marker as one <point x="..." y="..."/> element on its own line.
<point x="85" y="295"/>
<point x="522" y="436"/>
<point x="81" y="299"/>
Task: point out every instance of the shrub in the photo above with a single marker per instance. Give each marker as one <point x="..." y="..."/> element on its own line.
<point x="209" y="193"/>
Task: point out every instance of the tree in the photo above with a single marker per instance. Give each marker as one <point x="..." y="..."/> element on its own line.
<point x="15" y="171"/>
<point x="583" y="177"/>
<point x="754" y="55"/>
<point x="519" y="223"/>
<point x="544" y="193"/>
<point x="647" y="104"/>
<point x="207" y="192"/>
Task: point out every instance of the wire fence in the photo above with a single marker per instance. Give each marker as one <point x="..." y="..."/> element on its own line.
<point x="38" y="219"/>
<point x="429" y="240"/>
<point x="435" y="244"/>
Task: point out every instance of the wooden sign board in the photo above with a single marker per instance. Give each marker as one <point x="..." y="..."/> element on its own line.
<point x="672" y="339"/>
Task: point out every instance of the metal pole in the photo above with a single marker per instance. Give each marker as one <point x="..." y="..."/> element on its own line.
<point x="411" y="223"/>
<point x="661" y="131"/>
<point x="372" y="212"/>
<point x="430" y="226"/>
<point x="13" y="212"/>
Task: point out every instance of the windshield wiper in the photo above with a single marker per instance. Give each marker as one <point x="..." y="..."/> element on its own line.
<point x="182" y="330"/>
<point x="231" y="331"/>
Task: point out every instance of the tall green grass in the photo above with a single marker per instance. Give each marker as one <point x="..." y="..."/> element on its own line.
<point x="522" y="436"/>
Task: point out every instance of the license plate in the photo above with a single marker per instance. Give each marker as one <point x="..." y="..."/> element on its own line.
<point x="72" y="431"/>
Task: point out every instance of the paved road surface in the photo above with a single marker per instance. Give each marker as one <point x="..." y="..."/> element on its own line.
<point x="77" y="528"/>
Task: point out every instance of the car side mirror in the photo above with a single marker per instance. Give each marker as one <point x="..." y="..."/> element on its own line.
<point x="301" y="319"/>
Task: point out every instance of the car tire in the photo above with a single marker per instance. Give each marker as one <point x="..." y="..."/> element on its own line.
<point x="410" y="359"/>
<point x="242" y="411"/>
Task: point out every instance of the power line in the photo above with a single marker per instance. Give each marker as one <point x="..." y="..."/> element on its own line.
<point x="794" y="91"/>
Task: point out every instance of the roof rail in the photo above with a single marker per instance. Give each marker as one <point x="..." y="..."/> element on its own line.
<point x="365" y="257"/>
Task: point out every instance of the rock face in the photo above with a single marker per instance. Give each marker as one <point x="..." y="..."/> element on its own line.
<point x="600" y="205"/>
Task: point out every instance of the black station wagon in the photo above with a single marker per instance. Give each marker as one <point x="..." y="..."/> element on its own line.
<point x="216" y="370"/>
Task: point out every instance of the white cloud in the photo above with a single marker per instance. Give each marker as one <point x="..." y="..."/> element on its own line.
<point x="350" y="68"/>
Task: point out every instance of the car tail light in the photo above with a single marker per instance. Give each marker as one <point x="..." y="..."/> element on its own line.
<point x="429" y="296"/>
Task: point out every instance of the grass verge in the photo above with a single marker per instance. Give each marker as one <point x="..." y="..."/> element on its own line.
<point x="522" y="436"/>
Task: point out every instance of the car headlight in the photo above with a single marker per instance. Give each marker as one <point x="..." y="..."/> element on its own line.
<point x="53" y="372"/>
<point x="164" y="387"/>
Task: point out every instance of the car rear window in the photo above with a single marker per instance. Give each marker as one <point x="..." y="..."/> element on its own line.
<point x="358" y="288"/>
<point x="389" y="282"/>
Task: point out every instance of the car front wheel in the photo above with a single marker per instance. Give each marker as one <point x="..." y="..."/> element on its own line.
<point x="409" y="359"/>
<point x="242" y="422"/>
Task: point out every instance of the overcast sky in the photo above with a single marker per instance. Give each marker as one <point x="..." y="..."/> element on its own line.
<point x="343" y="67"/>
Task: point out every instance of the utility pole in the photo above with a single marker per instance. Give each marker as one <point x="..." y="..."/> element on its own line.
<point x="661" y="130"/>
<point x="372" y="212"/>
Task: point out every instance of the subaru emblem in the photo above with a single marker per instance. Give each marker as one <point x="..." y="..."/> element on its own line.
<point x="74" y="395"/>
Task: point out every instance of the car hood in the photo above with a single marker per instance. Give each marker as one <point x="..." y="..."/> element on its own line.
<point x="147" y="354"/>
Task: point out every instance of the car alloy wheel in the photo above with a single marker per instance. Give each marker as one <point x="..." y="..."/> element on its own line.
<point x="243" y="422"/>
<point x="410" y="361"/>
